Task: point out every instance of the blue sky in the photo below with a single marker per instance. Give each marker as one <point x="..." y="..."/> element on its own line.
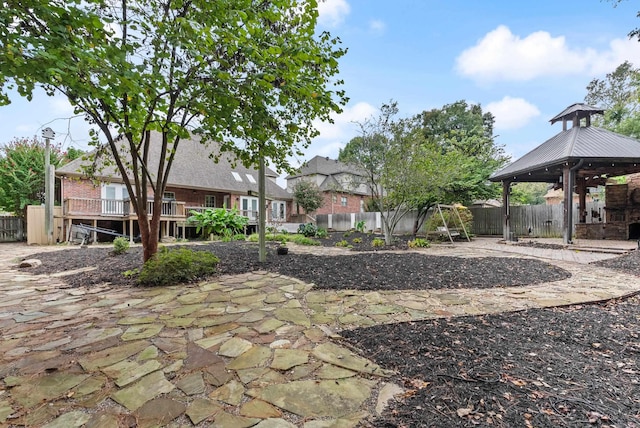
<point x="523" y="61"/>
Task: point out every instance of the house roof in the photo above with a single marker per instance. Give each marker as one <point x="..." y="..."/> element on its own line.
<point x="324" y="166"/>
<point x="193" y="168"/>
<point x="602" y="152"/>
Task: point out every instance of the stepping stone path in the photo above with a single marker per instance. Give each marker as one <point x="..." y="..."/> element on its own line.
<point x="251" y="350"/>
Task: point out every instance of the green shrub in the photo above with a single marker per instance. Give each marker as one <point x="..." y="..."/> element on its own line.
<point x="377" y="242"/>
<point x="322" y="233"/>
<point x="176" y="266"/>
<point x="360" y="226"/>
<point x="239" y="237"/>
<point x="254" y="237"/>
<point x="357" y="240"/>
<point x="308" y="229"/>
<point x="342" y="243"/>
<point x="218" y="221"/>
<point x="347" y="234"/>
<point x="419" y="243"/>
<point x="120" y="245"/>
<point x="303" y="240"/>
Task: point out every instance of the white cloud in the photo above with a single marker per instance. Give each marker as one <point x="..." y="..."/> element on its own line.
<point x="377" y="26"/>
<point x="512" y="113"/>
<point x="344" y="126"/>
<point x="332" y="12"/>
<point x="502" y="55"/>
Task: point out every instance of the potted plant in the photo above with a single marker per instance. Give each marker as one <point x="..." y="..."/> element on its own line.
<point x="282" y="248"/>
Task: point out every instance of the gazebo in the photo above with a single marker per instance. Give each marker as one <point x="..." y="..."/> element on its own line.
<point x="580" y="157"/>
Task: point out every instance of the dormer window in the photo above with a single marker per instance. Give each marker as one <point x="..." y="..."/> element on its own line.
<point x="236" y="176"/>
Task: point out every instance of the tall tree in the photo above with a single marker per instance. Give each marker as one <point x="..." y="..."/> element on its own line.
<point x="399" y="166"/>
<point x="231" y="70"/>
<point x="619" y="95"/>
<point x="464" y="135"/>
<point x="22" y="178"/>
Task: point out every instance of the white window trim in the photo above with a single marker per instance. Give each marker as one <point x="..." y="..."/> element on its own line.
<point x="249" y="212"/>
<point x="214" y="201"/>
<point x="279" y="204"/>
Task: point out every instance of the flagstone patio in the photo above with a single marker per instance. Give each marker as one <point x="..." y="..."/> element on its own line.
<point x="258" y="349"/>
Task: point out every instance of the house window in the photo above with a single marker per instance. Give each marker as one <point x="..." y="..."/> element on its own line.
<point x="334" y="198"/>
<point x="112" y="196"/>
<point x="361" y="205"/>
<point x="249" y="207"/>
<point x="278" y="210"/>
<point x="343" y="201"/>
<point x="236" y="176"/>
<point x="169" y="195"/>
<point x="209" y="201"/>
<point x="250" y="178"/>
<point x="226" y="201"/>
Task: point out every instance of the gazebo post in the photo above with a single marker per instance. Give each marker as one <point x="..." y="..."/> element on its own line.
<point x="506" y="227"/>
<point x="581" y="184"/>
<point x="567" y="220"/>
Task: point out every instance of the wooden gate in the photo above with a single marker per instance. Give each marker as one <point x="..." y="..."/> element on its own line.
<point x="11" y="229"/>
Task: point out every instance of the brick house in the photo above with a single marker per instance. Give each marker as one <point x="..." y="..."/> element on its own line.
<point x="343" y="186"/>
<point x="195" y="183"/>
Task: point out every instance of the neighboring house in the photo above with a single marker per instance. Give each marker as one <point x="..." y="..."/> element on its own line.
<point x="195" y="183"/>
<point x="486" y="203"/>
<point x="343" y="186"/>
<point x="556" y="196"/>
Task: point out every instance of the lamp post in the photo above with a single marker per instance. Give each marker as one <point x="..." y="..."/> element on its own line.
<point x="48" y="134"/>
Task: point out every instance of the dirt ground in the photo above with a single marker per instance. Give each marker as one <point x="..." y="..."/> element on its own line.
<point x="573" y="366"/>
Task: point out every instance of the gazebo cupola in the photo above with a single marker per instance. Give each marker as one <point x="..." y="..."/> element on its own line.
<point x="577" y="158"/>
<point x="575" y="113"/>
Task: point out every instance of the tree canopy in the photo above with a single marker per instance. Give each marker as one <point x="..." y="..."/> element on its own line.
<point x="464" y="132"/>
<point x="307" y="195"/>
<point x="442" y="155"/>
<point x="22" y="180"/>
<point x="619" y="95"/>
<point x="250" y="75"/>
<point x="402" y="169"/>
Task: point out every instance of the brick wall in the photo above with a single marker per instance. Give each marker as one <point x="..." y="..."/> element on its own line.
<point x="195" y="198"/>
<point x="79" y="188"/>
<point x="331" y="207"/>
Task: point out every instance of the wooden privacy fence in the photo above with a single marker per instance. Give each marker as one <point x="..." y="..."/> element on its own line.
<point x="36" y="231"/>
<point x="11" y="229"/>
<point x="545" y="221"/>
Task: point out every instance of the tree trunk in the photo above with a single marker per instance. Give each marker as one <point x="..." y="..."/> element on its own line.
<point x="420" y="219"/>
<point x="149" y="231"/>
<point x="388" y="237"/>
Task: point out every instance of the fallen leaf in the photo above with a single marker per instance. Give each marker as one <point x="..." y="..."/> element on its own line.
<point x="464" y="411"/>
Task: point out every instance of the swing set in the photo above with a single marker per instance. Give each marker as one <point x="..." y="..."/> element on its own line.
<point x="445" y="229"/>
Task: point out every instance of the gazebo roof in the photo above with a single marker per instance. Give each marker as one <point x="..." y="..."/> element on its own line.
<point x="578" y="110"/>
<point x="602" y="152"/>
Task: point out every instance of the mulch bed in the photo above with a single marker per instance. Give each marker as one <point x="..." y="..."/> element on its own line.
<point x="570" y="367"/>
<point x="562" y="367"/>
<point x="359" y="271"/>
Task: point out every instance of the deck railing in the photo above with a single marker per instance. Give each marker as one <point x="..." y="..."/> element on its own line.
<point x="117" y="208"/>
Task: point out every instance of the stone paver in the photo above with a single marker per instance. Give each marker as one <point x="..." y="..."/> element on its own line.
<point x="256" y="349"/>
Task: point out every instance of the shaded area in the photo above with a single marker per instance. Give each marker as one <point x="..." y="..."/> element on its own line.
<point x="359" y="271"/>
<point x="570" y="367"/>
